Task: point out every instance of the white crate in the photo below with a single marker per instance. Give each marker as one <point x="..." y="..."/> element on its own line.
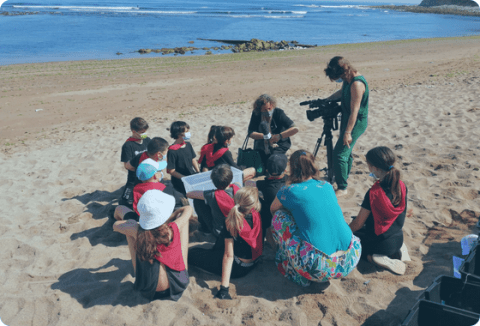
<point x="202" y="181"/>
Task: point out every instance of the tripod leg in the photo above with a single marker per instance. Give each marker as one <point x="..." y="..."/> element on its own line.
<point x="317" y="146"/>
<point x="328" y="143"/>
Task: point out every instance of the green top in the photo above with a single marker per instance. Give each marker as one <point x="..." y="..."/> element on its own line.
<point x="346" y="97"/>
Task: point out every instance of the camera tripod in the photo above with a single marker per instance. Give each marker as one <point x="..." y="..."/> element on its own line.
<point x="329" y="124"/>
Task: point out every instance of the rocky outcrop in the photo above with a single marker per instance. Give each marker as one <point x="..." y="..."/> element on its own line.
<point x="435" y="3"/>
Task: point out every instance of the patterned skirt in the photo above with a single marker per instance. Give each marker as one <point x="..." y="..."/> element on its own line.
<point x="301" y="262"/>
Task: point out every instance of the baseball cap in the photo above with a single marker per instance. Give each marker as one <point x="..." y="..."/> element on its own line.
<point x="155" y="207"/>
<point x="276" y="164"/>
<point x="148" y="168"/>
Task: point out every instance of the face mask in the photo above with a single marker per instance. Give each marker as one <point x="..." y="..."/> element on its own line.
<point x="143" y="136"/>
<point x="187" y="136"/>
<point x="267" y="113"/>
<point x="373" y="175"/>
<point x="339" y="80"/>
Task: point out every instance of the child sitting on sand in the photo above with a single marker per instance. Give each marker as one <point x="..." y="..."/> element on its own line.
<point x="217" y="153"/>
<point x="236" y="251"/>
<point x="149" y="173"/>
<point x="158" y="246"/>
<point x="181" y="156"/>
<point x="380" y="220"/>
<point x="136" y="144"/>
<point x="276" y="165"/>
<point x="213" y="206"/>
<point x="210" y="139"/>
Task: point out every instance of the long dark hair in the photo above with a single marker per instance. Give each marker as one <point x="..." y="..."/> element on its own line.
<point x="211" y="134"/>
<point x="302" y="166"/>
<point x="147" y="241"/>
<point x="383" y="158"/>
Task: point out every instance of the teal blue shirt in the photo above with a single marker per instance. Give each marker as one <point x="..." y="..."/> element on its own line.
<point x="315" y="209"/>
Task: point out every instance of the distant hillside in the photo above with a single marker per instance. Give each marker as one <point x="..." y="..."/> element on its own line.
<point x="432" y="3"/>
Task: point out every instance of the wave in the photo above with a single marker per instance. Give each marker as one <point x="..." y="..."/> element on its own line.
<point x="287" y="12"/>
<point x="268" y="17"/>
<point x="307" y="6"/>
<point x="75" y="7"/>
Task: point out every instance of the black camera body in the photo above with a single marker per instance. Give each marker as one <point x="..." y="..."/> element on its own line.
<point x="325" y="109"/>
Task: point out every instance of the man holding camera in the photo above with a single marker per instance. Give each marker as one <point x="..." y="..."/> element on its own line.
<point x="354" y="97"/>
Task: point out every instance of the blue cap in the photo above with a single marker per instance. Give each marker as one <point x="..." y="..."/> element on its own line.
<point x="147" y="169"/>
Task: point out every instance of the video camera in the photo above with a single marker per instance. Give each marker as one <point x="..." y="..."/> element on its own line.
<point x="325" y="109"/>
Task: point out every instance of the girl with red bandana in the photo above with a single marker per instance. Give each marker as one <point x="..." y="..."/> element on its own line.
<point x="380" y="220"/>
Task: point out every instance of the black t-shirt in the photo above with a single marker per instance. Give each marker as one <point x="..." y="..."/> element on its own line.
<point x="279" y="123"/>
<point x="131" y="149"/>
<point x="241" y="249"/>
<point x="180" y="160"/>
<point x="369" y="223"/>
<point x="226" y="158"/>
<point x="269" y="189"/>
<point x="218" y="222"/>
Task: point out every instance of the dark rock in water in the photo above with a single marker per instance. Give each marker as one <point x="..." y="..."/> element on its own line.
<point x="260" y="45"/>
<point x="118" y="53"/>
<point x="191" y="42"/>
<point x="208" y="52"/>
<point x="205" y="48"/>
<point x="166" y="51"/>
<point x="179" y="50"/>
<point x="143" y="51"/>
<point x="156" y="50"/>
<point x="434" y="3"/>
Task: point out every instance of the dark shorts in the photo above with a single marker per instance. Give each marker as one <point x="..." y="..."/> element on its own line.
<point x="146" y="281"/>
<point x="131" y="216"/>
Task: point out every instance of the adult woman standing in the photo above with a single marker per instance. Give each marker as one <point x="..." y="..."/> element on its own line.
<point x="354" y="95"/>
<point x="270" y="127"/>
<point x="313" y="241"/>
<point x="383" y="212"/>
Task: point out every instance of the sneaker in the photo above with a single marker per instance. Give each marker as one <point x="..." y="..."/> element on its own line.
<point x="341" y="192"/>
<point x="395" y="265"/>
<point x="404" y="253"/>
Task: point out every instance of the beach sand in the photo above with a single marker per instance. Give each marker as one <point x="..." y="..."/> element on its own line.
<point x="61" y="176"/>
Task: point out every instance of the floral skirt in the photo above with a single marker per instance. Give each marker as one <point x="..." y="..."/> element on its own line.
<point x="301" y="262"/>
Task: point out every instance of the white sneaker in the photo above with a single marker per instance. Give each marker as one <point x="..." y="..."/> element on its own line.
<point x="395" y="265"/>
<point x="341" y="192"/>
<point x="404" y="251"/>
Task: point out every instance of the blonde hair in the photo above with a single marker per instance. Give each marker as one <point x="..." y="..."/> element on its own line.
<point x="246" y="199"/>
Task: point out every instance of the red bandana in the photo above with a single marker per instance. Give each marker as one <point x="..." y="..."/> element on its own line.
<point x="133" y="139"/>
<point x="143" y="157"/>
<point x="383" y="211"/>
<point x="207" y="152"/>
<point x="254" y="237"/>
<point x="224" y="201"/>
<point x="171" y="255"/>
<point x="174" y="147"/>
<point x="142" y="188"/>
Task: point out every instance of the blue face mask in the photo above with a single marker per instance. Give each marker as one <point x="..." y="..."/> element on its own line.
<point x="267" y="113"/>
<point x="187" y="136"/>
<point x="373" y="175"/>
<point x="339" y="80"/>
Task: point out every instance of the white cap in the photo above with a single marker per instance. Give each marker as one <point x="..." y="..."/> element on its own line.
<point x="155" y="207"/>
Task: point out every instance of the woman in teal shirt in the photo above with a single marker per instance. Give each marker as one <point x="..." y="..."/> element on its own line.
<point x="354" y="95"/>
<point x="313" y="241"/>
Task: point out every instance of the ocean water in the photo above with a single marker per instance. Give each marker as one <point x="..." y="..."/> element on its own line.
<point x="80" y="30"/>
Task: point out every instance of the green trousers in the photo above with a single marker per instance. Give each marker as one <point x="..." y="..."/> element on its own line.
<point x="342" y="155"/>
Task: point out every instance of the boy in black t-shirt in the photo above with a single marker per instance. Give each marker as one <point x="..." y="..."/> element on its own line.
<point x="210" y="215"/>
<point x="181" y="156"/>
<point x="276" y="165"/>
<point x="135" y="144"/>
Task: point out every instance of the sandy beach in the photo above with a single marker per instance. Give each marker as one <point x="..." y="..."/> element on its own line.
<point x="63" y="125"/>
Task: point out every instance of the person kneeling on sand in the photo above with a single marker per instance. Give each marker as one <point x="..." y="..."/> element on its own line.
<point x="380" y="220"/>
<point x="239" y="245"/>
<point x="312" y="240"/>
<point x="158" y="246"/>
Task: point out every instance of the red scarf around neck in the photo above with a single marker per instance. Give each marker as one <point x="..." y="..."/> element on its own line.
<point x="253" y="236"/>
<point x="142" y="188"/>
<point x="224" y="201"/>
<point x="133" y="139"/>
<point x="143" y="157"/>
<point x="383" y="211"/>
<point x="174" y="147"/>
<point x="207" y="152"/>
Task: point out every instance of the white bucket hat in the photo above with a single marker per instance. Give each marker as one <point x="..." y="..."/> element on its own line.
<point x="155" y="207"/>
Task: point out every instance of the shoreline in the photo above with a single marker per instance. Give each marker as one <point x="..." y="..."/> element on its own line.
<point x="440" y="10"/>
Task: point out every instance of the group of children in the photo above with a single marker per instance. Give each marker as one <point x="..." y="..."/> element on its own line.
<point x="239" y="218"/>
